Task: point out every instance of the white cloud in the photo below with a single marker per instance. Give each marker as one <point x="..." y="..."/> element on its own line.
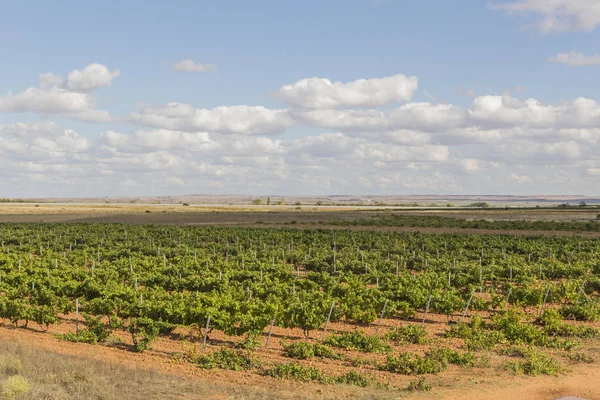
<point x="557" y="15"/>
<point x="502" y="111"/>
<point x="52" y="101"/>
<point x="28" y="129"/>
<point x="576" y="59"/>
<point x="44" y="141"/>
<point x="520" y="178"/>
<point x="426" y="117"/>
<point x="470" y="165"/>
<point x="57" y="96"/>
<point x="92" y="77"/>
<point x="235" y="119"/>
<point x="321" y="93"/>
<point x="413" y="147"/>
<point x="191" y="66"/>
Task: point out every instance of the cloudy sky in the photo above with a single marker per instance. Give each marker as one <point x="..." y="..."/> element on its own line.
<point x="299" y="97"/>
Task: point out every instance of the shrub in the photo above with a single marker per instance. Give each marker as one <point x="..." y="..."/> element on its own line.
<point x="415" y="334"/>
<point x="419" y="385"/>
<point x="235" y="360"/>
<point x="554" y="325"/>
<point x="297" y="372"/>
<point x="446" y="355"/>
<point x="83" y="336"/>
<point x="250" y="342"/>
<point x="482" y="361"/>
<point x="304" y="351"/>
<point x="515" y="330"/>
<point x="586" y="311"/>
<point x="408" y="364"/>
<point x="403" y="310"/>
<point x="475" y="335"/>
<point x="14" y="387"/>
<point x="535" y="363"/>
<point x="580" y="358"/>
<point x="360" y="362"/>
<point x="355" y="379"/>
<point x="358" y="341"/>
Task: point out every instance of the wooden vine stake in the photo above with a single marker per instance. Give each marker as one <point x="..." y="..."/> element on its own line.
<point x="270" y="331"/>
<point x="467" y="306"/>
<point x="545" y="298"/>
<point x="426" y="309"/>
<point x="328" y="318"/>
<point x="205" y="334"/>
<point x="76" y="316"/>
<point x="507" y="297"/>
<point x="381" y="316"/>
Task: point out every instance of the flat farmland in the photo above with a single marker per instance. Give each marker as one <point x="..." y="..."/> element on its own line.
<point x="280" y="308"/>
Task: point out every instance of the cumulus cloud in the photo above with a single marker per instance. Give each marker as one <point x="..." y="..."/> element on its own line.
<point x="71" y="96"/>
<point x="347" y="142"/>
<point x="250" y="120"/>
<point x="576" y="59"/>
<point x="40" y="141"/>
<point x="366" y="93"/>
<point x="191" y="66"/>
<point x="557" y="15"/>
<point x="30" y="129"/>
<point x="92" y="77"/>
<point x="506" y="110"/>
<point x="53" y="101"/>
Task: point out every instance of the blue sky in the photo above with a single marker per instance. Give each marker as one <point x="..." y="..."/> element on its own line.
<point x="466" y="55"/>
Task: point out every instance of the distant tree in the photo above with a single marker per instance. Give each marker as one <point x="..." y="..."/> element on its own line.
<point x="269" y="200"/>
<point x="281" y="202"/>
<point x="480" y="204"/>
<point x="582" y="204"/>
<point x="298" y="203"/>
<point x="319" y="203"/>
<point x="257" y="202"/>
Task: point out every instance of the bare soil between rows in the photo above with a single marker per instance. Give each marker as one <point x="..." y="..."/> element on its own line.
<point x="168" y="356"/>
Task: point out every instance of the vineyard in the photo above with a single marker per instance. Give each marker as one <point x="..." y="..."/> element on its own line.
<point x="358" y="308"/>
<point x="401" y="220"/>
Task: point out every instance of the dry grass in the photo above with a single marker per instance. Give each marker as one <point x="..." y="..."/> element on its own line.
<point x="27" y="372"/>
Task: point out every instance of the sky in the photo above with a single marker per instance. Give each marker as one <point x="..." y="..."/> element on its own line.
<point x="292" y="97"/>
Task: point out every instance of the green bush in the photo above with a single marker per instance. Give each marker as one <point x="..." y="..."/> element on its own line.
<point x="409" y="364"/>
<point x="304" y="351"/>
<point x="355" y="379"/>
<point x="535" y="363"/>
<point x="297" y="372"/>
<point x="516" y="331"/>
<point x="234" y="360"/>
<point x="250" y="342"/>
<point x="475" y="334"/>
<point x="303" y="373"/>
<point x="415" y="334"/>
<point x="358" y="341"/>
<point x="449" y="356"/>
<point x="580" y="358"/>
<point x="554" y="325"/>
<point x="586" y="311"/>
<point x="83" y="336"/>
<point x="419" y="385"/>
<point x="360" y="362"/>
